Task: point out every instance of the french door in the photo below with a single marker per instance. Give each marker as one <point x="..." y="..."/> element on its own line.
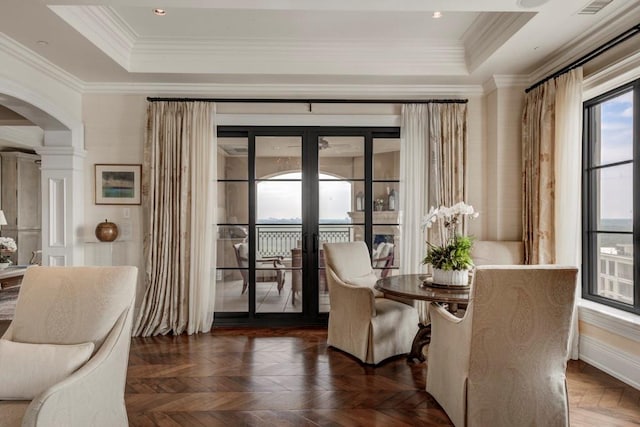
<point x="282" y="193"/>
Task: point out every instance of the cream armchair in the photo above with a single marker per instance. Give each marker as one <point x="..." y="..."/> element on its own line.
<point x="59" y="310"/>
<point x="504" y="362"/>
<point x="361" y="321"/>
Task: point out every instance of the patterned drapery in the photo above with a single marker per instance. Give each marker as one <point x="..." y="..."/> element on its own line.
<point x="551" y="171"/>
<point x="178" y="191"/>
<point x="432" y="173"/>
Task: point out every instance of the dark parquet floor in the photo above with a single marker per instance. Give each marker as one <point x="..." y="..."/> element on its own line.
<point x="289" y="377"/>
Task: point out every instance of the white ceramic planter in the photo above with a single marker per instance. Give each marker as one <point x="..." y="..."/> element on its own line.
<point x="451" y="277"/>
<point x="4" y="265"/>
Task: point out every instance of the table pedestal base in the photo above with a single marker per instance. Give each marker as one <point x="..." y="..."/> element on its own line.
<point x="422" y="338"/>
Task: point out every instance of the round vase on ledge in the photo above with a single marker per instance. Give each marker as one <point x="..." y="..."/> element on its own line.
<point x="451" y="277"/>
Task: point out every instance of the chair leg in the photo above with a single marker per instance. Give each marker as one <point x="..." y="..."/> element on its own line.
<point x="280" y="278"/>
<point x="244" y="287"/>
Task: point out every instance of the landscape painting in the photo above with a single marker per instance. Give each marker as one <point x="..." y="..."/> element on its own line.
<point x="117" y="184"/>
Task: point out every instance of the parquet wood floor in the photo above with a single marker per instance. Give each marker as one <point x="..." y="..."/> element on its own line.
<point x="289" y="377"/>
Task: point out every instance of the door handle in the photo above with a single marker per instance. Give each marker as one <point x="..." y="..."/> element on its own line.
<point x="315" y="243"/>
<point x="304" y="243"/>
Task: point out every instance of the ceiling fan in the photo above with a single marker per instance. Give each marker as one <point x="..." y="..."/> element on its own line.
<point x="324" y="144"/>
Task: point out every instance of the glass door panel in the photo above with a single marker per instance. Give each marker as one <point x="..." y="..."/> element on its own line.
<point x="278" y="230"/>
<point x="386" y="194"/>
<point x="341" y="173"/>
<point x="232" y="274"/>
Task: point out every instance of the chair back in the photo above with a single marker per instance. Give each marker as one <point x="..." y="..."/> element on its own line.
<point x="72" y="305"/>
<point x="348" y="259"/>
<point x="494" y="252"/>
<point x="520" y="325"/>
<point x="383" y="258"/>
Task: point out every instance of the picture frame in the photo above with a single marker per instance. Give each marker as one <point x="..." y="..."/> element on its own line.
<point x="118" y="184"/>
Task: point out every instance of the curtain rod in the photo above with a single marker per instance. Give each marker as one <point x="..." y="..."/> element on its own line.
<point x="316" y="101"/>
<point x="589" y="56"/>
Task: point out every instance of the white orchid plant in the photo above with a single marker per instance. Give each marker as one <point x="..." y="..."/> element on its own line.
<point x="7" y="245"/>
<point x="455" y="251"/>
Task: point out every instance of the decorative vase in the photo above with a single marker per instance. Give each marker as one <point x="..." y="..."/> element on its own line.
<point x="107" y="231"/>
<point x="451" y="277"/>
<point x="4" y="265"/>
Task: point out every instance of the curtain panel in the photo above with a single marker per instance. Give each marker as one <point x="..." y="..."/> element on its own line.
<point x="551" y="189"/>
<point x="178" y="192"/>
<point x="432" y="173"/>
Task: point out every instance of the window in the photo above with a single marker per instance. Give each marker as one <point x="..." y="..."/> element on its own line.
<point x="611" y="204"/>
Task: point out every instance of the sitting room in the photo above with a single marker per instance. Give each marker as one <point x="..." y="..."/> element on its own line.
<point x="342" y="213"/>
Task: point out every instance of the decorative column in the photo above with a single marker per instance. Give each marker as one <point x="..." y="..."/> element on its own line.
<point x="63" y="181"/>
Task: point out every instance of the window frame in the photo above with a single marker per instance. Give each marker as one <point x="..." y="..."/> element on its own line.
<point x="590" y="200"/>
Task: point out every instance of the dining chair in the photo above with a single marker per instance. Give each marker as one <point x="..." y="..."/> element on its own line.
<point x="504" y="362"/>
<point x="362" y="322"/>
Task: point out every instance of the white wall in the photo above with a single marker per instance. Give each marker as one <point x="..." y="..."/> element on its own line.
<point x="114" y="133"/>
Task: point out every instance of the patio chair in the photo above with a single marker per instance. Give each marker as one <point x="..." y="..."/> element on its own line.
<point x="242" y="257"/>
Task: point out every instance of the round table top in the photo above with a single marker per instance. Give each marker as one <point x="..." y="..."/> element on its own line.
<point x="411" y="286"/>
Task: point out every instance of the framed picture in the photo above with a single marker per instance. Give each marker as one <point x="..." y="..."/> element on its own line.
<point x="118" y="184"/>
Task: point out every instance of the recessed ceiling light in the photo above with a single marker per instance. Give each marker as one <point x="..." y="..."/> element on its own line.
<point x="160" y="12"/>
<point x="437" y="14"/>
<point x="42" y="43"/>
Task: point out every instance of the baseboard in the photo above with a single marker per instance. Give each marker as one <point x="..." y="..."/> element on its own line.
<point x="614" y="362"/>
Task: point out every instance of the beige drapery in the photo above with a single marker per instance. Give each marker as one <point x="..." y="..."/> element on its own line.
<point x="551" y="160"/>
<point x="432" y="170"/>
<point x="178" y="192"/>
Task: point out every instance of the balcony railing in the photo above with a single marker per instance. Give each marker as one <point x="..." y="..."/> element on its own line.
<point x="278" y="240"/>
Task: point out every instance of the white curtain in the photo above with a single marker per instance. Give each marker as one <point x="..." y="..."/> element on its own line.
<point x="178" y="195"/>
<point x="417" y="191"/>
<point x="568" y="163"/>
<point x="552" y="149"/>
<point x="432" y="167"/>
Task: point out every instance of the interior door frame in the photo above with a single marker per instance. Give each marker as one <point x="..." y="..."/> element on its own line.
<point x="310" y="315"/>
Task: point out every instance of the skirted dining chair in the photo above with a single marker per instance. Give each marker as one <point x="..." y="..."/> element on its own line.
<point x="362" y="322"/>
<point x="64" y="358"/>
<point x="504" y="362"/>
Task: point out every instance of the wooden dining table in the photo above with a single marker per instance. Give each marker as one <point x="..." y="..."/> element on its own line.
<point x="420" y="287"/>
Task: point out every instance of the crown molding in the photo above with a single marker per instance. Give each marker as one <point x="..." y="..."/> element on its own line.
<point x="606" y="30"/>
<point x="111" y="34"/>
<point x="488" y="32"/>
<point x="103" y="27"/>
<point x="371" y="91"/>
<point x="611" y="77"/>
<point x="501" y="81"/>
<point x="346" y="57"/>
<point x="24" y="136"/>
<point x="42" y="65"/>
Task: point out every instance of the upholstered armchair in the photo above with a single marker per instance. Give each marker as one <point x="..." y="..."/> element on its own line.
<point x="504" y="362"/>
<point x="361" y="321"/>
<point x="63" y="360"/>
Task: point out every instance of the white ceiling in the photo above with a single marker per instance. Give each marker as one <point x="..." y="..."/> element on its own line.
<point x="310" y="41"/>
